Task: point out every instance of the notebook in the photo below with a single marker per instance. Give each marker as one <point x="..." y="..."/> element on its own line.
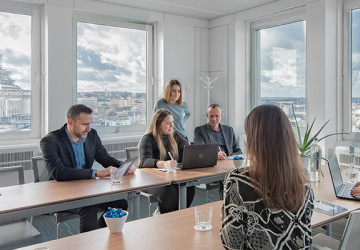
<point x="199" y="156"/>
<point x="342" y="190"/>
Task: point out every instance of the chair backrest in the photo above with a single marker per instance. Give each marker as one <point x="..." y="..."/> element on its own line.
<point x="131" y="152"/>
<point x="10" y="176"/>
<point x="350" y="239"/>
<point x="40" y="171"/>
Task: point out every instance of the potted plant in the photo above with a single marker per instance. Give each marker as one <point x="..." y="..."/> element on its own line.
<point x="307" y="140"/>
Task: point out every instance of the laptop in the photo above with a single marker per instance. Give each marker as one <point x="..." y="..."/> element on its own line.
<point x="342" y="190"/>
<point x="199" y="156"/>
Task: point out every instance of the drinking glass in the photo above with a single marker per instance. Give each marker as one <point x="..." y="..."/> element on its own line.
<point x="203" y="217"/>
<point x="116" y="176"/>
<point x="171" y="166"/>
<point x="353" y="174"/>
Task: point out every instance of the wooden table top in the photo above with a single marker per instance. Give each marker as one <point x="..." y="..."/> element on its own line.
<point x="173" y="230"/>
<point x="46" y="193"/>
<point x="221" y="168"/>
<point x="324" y="191"/>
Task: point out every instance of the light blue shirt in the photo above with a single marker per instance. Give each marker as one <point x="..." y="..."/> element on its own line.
<point x="179" y="113"/>
<point x="78" y="148"/>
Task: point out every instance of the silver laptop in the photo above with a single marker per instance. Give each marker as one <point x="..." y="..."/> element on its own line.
<point x="199" y="156"/>
<point x="342" y="190"/>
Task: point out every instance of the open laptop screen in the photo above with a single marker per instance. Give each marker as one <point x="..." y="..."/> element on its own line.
<point x="335" y="173"/>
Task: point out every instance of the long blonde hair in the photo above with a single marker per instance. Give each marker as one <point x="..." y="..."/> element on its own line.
<point x="155" y="130"/>
<point x="167" y="92"/>
<point x="274" y="158"/>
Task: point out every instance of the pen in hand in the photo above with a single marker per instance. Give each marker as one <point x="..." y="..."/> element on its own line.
<point x="170" y="156"/>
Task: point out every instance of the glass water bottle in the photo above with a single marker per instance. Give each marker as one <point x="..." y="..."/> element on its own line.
<point x="315" y="162"/>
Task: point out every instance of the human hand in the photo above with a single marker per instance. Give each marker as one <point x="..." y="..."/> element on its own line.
<point x="356" y="189"/>
<point x="104" y="172"/>
<point x="221" y="155"/>
<point x="131" y="170"/>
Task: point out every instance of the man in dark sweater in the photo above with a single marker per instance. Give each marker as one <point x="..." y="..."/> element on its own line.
<point x="69" y="154"/>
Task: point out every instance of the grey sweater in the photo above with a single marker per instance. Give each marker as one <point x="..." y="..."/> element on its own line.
<point x="149" y="151"/>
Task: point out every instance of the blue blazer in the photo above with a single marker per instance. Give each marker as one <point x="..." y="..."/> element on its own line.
<point x="202" y="136"/>
<point x="60" y="160"/>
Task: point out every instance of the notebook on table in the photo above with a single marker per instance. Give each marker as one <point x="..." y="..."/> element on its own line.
<point x="199" y="156"/>
<point x="342" y="190"/>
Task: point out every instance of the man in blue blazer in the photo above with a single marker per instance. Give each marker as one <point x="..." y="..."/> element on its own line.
<point x="69" y="154"/>
<point x="214" y="132"/>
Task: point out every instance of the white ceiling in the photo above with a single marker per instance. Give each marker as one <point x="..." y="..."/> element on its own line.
<point x="203" y="9"/>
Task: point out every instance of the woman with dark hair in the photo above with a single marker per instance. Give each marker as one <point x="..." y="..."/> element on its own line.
<point x="153" y="150"/>
<point x="269" y="204"/>
<point x="172" y="101"/>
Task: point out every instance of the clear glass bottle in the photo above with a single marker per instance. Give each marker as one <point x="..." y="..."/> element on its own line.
<point x="315" y="162"/>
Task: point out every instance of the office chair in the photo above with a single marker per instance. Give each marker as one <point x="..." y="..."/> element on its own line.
<point x="18" y="233"/>
<point x="41" y="174"/>
<point x="350" y="239"/>
<point x="132" y="152"/>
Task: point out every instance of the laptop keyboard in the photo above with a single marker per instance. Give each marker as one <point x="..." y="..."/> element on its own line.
<point x="346" y="189"/>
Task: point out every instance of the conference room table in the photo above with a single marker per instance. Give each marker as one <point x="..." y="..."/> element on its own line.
<point x="324" y="191"/>
<point x="173" y="230"/>
<point x="196" y="176"/>
<point x="24" y="201"/>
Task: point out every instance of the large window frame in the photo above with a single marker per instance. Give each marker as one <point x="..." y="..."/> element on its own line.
<point x="347" y="79"/>
<point x="36" y="72"/>
<point x="254" y="26"/>
<point x="112" y="21"/>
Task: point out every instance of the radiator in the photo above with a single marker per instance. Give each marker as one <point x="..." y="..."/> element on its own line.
<point x="18" y="155"/>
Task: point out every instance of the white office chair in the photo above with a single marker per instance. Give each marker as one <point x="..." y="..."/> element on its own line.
<point x="18" y="233"/>
<point x="350" y="239"/>
<point x="41" y="174"/>
<point x="132" y="152"/>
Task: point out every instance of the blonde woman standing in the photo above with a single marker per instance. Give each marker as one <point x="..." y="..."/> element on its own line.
<point x="153" y="153"/>
<point x="172" y="101"/>
<point x="269" y="204"/>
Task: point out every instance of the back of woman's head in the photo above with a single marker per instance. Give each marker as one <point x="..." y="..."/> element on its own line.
<point x="274" y="160"/>
<point x="167" y="92"/>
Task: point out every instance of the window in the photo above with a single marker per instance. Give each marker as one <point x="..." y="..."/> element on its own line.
<point x="19" y="70"/>
<point x="112" y="66"/>
<point x="279" y="67"/>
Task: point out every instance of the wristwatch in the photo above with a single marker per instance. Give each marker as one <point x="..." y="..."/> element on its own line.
<point x="95" y="173"/>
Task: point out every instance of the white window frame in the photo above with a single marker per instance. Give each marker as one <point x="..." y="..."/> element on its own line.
<point x="347" y="102"/>
<point x="36" y="73"/>
<point x="112" y="21"/>
<point x="263" y="23"/>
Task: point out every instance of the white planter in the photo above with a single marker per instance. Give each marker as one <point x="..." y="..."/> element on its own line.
<point x="305" y="161"/>
<point x="115" y="225"/>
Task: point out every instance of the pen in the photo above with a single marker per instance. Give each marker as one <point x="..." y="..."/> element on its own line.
<point x="219" y="149"/>
<point x="170" y="156"/>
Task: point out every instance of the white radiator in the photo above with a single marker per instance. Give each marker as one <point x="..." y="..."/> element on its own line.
<point x="18" y="155"/>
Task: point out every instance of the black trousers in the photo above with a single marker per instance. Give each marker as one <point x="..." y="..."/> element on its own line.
<point x="89" y="218"/>
<point x="168" y="197"/>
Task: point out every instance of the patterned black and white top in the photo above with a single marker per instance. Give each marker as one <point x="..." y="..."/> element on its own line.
<point x="248" y="224"/>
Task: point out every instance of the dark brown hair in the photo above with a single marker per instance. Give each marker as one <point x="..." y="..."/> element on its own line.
<point x="274" y="158"/>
